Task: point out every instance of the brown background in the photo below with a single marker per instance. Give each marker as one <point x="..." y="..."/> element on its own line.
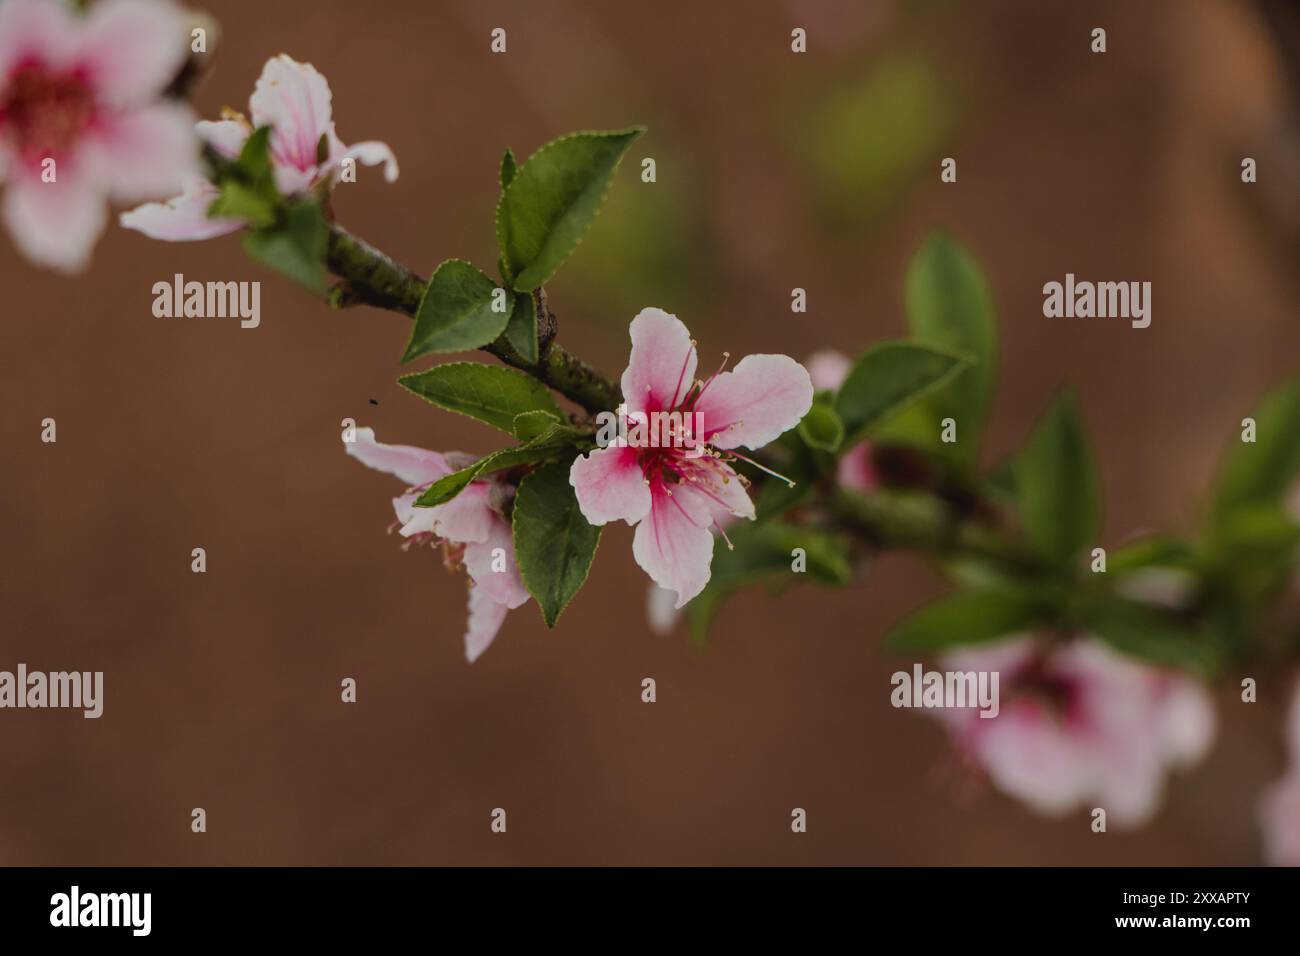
<point x="223" y="689"/>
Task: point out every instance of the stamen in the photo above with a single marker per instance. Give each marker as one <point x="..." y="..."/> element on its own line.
<point x="681" y="376"/>
<point x="723" y="531"/>
<point x="764" y="468"/>
<point x="726" y="357"/>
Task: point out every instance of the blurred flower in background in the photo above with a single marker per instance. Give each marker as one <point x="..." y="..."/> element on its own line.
<point x="1279" y="810"/>
<point x="1081" y="726"/>
<point x="83" y="120"/>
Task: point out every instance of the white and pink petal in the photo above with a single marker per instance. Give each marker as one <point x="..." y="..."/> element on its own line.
<point x="609" y="485"/>
<point x="763" y="397"/>
<point x="661" y="367"/>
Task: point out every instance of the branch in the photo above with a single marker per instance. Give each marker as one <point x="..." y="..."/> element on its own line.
<point x="372" y="277"/>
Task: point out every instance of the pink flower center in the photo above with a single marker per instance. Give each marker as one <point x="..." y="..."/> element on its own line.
<point x="45" y="113"/>
<point x="1060" y="694"/>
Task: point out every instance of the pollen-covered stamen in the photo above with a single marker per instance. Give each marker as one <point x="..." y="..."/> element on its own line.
<point x="703" y="488"/>
<point x="44" y="112"/>
<point x="419" y="540"/>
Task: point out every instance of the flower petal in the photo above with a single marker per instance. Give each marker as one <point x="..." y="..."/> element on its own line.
<point x="761" y="398"/>
<point x="485" y="619"/>
<point x="660" y="610"/>
<point x="661" y="368"/>
<point x="415" y="466"/>
<point x="466" y="518"/>
<point x="183" y="218"/>
<point x="482" y="563"/>
<point x="36" y="30"/>
<point x="132" y="49"/>
<point x="55" y="224"/>
<point x="673" y="545"/>
<point x="295" y="99"/>
<point x="227" y="137"/>
<point x="145" y="153"/>
<point x="368" y="153"/>
<point x="609" y="485"/>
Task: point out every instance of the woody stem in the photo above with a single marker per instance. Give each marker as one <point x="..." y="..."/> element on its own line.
<point x="372" y="277"/>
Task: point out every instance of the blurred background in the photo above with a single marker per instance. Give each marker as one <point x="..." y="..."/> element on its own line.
<point x="775" y="170"/>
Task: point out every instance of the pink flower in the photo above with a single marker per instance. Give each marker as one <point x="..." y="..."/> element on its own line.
<point x="1279" y="811"/>
<point x="672" y="496"/>
<point x="854" y="469"/>
<point x="470" y="528"/>
<point x="1079" y="725"/>
<point x="828" y="369"/>
<point x="294" y="100"/>
<point x="82" y="122"/>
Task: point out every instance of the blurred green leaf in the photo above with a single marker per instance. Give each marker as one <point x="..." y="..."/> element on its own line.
<point x="949" y="307"/>
<point x="868" y="139"/>
<point x="764" y="553"/>
<point x="1268" y="468"/>
<point x="552" y="200"/>
<point x="489" y="393"/>
<point x="247" y="185"/>
<point x="1157" y="550"/>
<point x="294" y="247"/>
<point x="1151" y="635"/>
<point x="1057" y="484"/>
<point x="821" y="428"/>
<point x="889" y="377"/>
<point x="554" y="544"/>
<point x="966" y="617"/>
<point x="239" y="201"/>
<point x="456" y="313"/>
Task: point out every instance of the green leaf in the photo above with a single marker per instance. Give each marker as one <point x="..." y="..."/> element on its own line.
<point x="552" y="200"/>
<point x="763" y="553"/>
<point x="888" y="378"/>
<point x="521" y="330"/>
<point x="821" y="428"/>
<point x="1152" y="551"/>
<point x="1057" y="484"/>
<point x="294" y="247"/>
<point x="489" y="393"/>
<point x="254" y="162"/>
<point x="508" y="167"/>
<point x="456" y="313"/>
<point x="554" y="544"/>
<point x="528" y="425"/>
<point x="1152" y="635"/>
<point x="1264" y="470"/>
<point x="556" y="439"/>
<point x="238" y="201"/>
<point x="966" y="617"/>
<point x="949" y="306"/>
